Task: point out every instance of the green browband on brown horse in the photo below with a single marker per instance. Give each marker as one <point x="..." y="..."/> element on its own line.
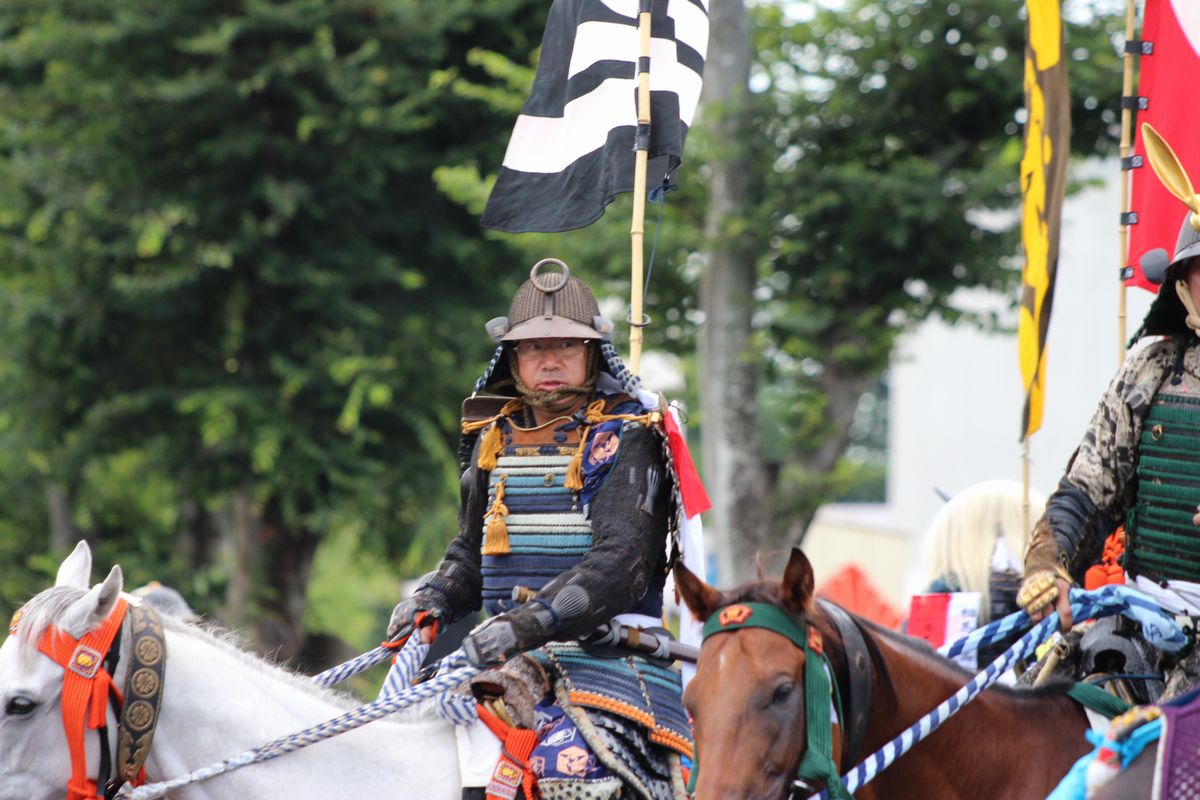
<point x="817" y="764"/>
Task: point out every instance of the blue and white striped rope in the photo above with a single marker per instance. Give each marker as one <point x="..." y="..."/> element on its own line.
<point x="335" y="675"/>
<point x="882" y="758"/>
<point x="455" y="671"/>
<point x="404" y="668"/>
<point x="1122" y="599"/>
<point x="992" y="632"/>
<point x="1157" y="626"/>
<point x="454" y="707"/>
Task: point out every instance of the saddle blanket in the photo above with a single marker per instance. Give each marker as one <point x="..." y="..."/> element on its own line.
<point x="1174" y="730"/>
<point x="630" y="687"/>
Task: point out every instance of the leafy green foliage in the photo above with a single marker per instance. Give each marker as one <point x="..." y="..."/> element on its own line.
<point x="240" y="256"/>
<point x="891" y="139"/>
<point x="887" y="139"/>
<point x="228" y="269"/>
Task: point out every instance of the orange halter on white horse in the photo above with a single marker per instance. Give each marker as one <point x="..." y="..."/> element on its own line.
<point x="87" y="686"/>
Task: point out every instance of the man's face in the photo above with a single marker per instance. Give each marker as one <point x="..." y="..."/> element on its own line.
<point x="549" y="364"/>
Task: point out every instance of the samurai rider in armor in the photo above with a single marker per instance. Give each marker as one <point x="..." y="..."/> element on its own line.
<point x="1138" y="463"/>
<point x="567" y="505"/>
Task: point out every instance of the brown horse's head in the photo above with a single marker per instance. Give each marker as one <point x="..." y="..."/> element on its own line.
<point x="747" y="699"/>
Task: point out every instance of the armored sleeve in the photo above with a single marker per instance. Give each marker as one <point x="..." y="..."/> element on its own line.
<point x="458" y="582"/>
<point x="1098" y="487"/>
<point x="629" y="528"/>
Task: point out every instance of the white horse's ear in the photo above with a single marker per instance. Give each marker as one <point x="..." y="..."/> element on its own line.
<point x="94" y="607"/>
<point x="76" y="570"/>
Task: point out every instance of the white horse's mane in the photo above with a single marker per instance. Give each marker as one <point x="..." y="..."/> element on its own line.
<point x="47" y="607"/>
<point x="44" y="610"/>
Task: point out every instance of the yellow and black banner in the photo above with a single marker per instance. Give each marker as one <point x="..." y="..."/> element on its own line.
<point x="1043" y="184"/>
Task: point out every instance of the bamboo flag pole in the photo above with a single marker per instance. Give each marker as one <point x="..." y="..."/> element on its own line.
<point x="1026" y="525"/>
<point x="1126" y="152"/>
<point x="637" y="230"/>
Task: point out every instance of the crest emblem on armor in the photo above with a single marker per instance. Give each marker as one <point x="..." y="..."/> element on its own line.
<point x="507" y="774"/>
<point x="560" y="737"/>
<point x="604" y="448"/>
<point x="85" y="661"/>
<point x="573" y="761"/>
<point x="734" y="615"/>
<point x="815" y="642"/>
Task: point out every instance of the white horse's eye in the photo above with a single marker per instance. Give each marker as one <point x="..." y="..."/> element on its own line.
<point x="19" y="707"/>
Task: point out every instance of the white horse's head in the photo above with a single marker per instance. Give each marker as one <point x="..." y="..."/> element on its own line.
<point x="34" y="762"/>
<point x="217" y="701"/>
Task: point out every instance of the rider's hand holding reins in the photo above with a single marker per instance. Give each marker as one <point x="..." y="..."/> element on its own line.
<point x="405" y="614"/>
<point x="1047" y="581"/>
<point x="492" y="643"/>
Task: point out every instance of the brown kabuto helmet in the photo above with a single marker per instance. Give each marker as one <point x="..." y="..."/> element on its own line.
<point x="551" y="304"/>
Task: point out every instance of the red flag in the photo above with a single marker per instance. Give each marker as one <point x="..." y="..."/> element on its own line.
<point x="1168" y="81"/>
<point x="691" y="489"/>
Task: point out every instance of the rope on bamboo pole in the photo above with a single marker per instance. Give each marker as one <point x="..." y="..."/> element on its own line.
<point x="1025" y="486"/>
<point x="637" y="230"/>
<point x="1126" y="152"/>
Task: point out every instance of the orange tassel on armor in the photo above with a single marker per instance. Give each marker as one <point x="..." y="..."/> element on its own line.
<point x="1109" y="570"/>
<point x="574" y="476"/>
<point x="490" y="447"/>
<point x="496" y="542"/>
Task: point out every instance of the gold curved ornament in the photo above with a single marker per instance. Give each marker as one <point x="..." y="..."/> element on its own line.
<point x="1170" y="171"/>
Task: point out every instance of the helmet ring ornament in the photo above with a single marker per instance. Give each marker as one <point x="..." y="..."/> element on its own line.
<point x="549" y="282"/>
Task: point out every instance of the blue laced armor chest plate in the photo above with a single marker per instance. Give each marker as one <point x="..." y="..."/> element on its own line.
<point x="547" y="527"/>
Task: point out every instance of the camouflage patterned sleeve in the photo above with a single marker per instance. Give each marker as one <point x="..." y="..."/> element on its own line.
<point x="1097" y="489"/>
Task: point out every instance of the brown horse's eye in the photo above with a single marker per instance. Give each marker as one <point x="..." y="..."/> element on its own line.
<point x="783" y="693"/>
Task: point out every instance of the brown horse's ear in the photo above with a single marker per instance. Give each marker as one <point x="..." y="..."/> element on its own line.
<point x="797" y="584"/>
<point x="701" y="599"/>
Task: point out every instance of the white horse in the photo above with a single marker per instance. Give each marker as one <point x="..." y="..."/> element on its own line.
<point x="217" y="701"/>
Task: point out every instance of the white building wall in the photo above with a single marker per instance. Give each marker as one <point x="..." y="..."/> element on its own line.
<point x="956" y="393"/>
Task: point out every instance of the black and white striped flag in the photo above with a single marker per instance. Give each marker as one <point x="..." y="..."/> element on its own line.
<point x="571" y="150"/>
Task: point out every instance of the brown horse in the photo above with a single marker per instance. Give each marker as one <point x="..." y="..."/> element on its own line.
<point x="747" y="702"/>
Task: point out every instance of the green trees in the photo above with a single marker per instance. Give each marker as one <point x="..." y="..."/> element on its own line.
<point x="242" y="282"/>
<point x="235" y="302"/>
<point x="885" y="136"/>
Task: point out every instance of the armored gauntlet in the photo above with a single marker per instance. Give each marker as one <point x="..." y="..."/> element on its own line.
<point x="405" y="613"/>
<point x="1045" y="562"/>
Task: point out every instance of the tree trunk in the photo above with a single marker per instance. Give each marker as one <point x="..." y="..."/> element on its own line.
<point x="195" y="537"/>
<point x="239" y="528"/>
<point x="733" y="463"/>
<point x="63" y="533"/>
<point x="844" y="389"/>
<point x="287" y="557"/>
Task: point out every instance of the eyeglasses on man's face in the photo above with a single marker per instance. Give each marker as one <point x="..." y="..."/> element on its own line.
<point x="540" y="348"/>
